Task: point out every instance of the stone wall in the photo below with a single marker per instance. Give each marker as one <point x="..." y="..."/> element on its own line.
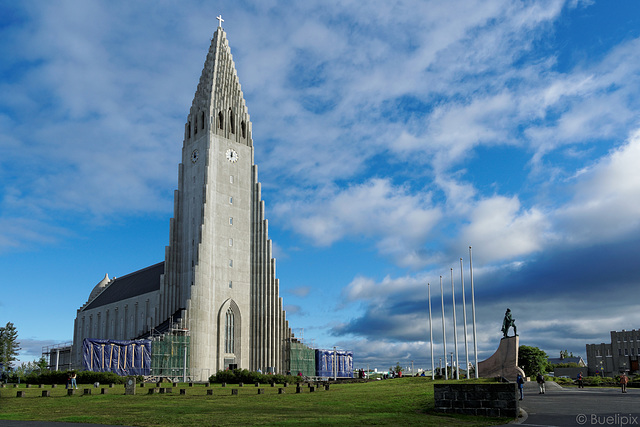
<point x="489" y="400"/>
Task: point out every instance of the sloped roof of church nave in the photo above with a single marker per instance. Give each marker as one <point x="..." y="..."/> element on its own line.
<point x="129" y="286"/>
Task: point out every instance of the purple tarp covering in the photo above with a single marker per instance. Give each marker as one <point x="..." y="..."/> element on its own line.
<point x="130" y="357"/>
<point x="325" y="360"/>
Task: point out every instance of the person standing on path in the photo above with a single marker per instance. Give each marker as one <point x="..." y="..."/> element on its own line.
<point x="540" y="380"/>
<point x="580" y="380"/>
<point x="623" y="382"/>
<point x="520" y="382"/>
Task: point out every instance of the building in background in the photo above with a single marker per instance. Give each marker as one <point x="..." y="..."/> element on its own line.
<point x="619" y="356"/>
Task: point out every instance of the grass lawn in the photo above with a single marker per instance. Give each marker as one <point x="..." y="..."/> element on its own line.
<point x="403" y="401"/>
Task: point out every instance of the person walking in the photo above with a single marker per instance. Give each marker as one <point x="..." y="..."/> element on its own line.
<point x="540" y="380"/>
<point x="520" y="382"/>
<point x="623" y="382"/>
<point x="580" y="380"/>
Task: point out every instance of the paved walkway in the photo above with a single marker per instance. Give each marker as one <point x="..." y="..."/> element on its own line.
<point x="588" y="406"/>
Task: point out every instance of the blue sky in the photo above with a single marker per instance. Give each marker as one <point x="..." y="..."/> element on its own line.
<point x="390" y="137"/>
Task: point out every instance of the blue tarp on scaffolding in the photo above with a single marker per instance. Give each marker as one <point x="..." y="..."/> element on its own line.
<point x="127" y="357"/>
<point x="326" y="358"/>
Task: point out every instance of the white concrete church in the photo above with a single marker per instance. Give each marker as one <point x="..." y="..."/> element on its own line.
<point x="218" y="278"/>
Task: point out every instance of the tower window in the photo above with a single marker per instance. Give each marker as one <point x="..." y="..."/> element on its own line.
<point x="229" y="341"/>
<point x="243" y="128"/>
<point x="221" y="120"/>
<point x="230" y="200"/>
<point x="230" y="220"/>
<point x="202" y="120"/>
<point x="230" y="284"/>
<point x="195" y="126"/>
<point x="230" y="179"/>
<point x="188" y="129"/>
<point x="230" y="242"/>
<point x="232" y="122"/>
<point x="230" y="263"/>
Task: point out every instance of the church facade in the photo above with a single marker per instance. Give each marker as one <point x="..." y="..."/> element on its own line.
<point x="217" y="282"/>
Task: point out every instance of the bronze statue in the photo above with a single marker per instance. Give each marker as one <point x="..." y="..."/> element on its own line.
<point x="508" y="322"/>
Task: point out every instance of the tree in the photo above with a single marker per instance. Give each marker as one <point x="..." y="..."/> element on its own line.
<point x="9" y="345"/>
<point x="532" y="360"/>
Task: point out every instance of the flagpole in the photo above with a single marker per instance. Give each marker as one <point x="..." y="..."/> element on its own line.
<point x="444" y="335"/>
<point x="455" y="329"/>
<point x="464" y="313"/>
<point x="473" y="314"/>
<point x="433" y="368"/>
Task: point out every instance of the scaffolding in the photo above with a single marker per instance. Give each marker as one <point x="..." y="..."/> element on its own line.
<point x="58" y="356"/>
<point x="301" y="357"/>
<point x="170" y="354"/>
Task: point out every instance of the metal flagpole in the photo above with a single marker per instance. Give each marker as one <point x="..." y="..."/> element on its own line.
<point x="433" y="368"/>
<point x="444" y="334"/>
<point x="455" y="330"/>
<point x="464" y="315"/>
<point x="473" y="314"/>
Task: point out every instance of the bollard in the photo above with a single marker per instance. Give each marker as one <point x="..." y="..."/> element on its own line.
<point x="257" y="384"/>
<point x="54" y="385"/>
<point x="312" y="389"/>
<point x="280" y="391"/>
<point x="224" y="384"/>
<point x="209" y="392"/>
<point x="153" y="390"/>
<point x="326" y="387"/>
<point x="46" y="393"/>
<point x="234" y="392"/>
<point x="71" y="392"/>
<point x="240" y="384"/>
<point x="298" y="389"/>
<point x="20" y="393"/>
<point x="260" y="391"/>
<point x="183" y="391"/>
<point x="87" y="392"/>
<point x="103" y="390"/>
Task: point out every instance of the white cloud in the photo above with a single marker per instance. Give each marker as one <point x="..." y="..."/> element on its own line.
<point x="504" y="230"/>
<point x="398" y="220"/>
<point x="604" y="206"/>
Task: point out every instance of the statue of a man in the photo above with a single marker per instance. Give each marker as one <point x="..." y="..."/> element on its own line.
<point x="508" y="322"/>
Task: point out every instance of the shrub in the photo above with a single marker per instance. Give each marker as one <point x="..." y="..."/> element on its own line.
<point x="83" y="377"/>
<point x="249" y="377"/>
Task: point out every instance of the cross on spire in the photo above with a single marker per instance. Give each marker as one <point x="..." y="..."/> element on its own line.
<point x="220" y="20"/>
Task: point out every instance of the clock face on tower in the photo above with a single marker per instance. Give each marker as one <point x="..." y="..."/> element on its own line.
<point x="194" y="156"/>
<point x="232" y="156"/>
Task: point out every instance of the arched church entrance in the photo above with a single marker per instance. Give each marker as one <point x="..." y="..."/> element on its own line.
<point x="229" y="336"/>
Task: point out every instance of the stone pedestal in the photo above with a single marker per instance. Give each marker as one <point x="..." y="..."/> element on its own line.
<point x="504" y="362"/>
<point x="130" y="386"/>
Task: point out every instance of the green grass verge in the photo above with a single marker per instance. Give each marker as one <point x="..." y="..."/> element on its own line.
<point x="404" y="401"/>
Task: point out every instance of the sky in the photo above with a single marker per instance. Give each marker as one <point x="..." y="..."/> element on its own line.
<point x="390" y="136"/>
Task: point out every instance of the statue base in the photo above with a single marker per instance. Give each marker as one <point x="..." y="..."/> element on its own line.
<point x="504" y="362"/>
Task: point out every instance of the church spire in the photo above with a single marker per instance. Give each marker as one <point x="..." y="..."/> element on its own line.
<point x="219" y="103"/>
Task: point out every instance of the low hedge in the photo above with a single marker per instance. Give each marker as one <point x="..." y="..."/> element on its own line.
<point x="82" y="377"/>
<point x="236" y="376"/>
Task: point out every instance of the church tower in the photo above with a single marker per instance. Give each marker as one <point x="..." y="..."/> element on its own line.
<point x="217" y="284"/>
<point x="219" y="277"/>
